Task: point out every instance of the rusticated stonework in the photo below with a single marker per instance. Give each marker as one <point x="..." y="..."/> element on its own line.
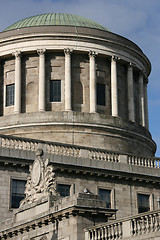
<point x="41" y="180"/>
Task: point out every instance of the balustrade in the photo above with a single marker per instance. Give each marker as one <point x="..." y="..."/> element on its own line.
<point x="103" y="156"/>
<point x="76" y="151"/>
<point x="151" y="162"/>
<point x="143" y="223"/>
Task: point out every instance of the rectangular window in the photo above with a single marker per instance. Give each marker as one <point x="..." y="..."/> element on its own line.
<point x="9" y="95"/>
<point x="17" y="192"/>
<point x="55" y="90"/>
<point x="143" y="203"/>
<point x="105" y="195"/>
<point x="64" y="190"/>
<point x="101" y="96"/>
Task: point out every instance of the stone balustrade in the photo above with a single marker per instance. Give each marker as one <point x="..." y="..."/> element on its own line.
<point x="146" y="223"/>
<point x="63" y="150"/>
<point x="25" y="144"/>
<point x="151" y="162"/>
<point x="103" y="156"/>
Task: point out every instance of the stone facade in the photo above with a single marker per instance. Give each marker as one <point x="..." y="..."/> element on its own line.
<point x="91" y="70"/>
<point x="74" y="129"/>
<point x="85" y="171"/>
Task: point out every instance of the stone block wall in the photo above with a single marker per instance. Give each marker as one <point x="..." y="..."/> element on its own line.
<point x="80" y="82"/>
<point x="7" y="173"/>
<point x="9" y="78"/>
<point x="123" y="193"/>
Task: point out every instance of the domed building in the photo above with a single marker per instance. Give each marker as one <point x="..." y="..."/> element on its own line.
<point x="67" y="79"/>
<point x="73" y="107"/>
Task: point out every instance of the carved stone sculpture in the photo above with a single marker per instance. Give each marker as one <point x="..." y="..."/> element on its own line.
<point x="41" y="180"/>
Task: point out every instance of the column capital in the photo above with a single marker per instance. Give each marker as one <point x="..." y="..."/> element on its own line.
<point x="92" y="54"/>
<point x="130" y="65"/>
<point x="16" y="54"/>
<point x="115" y="58"/>
<point x="68" y="51"/>
<point x="41" y="51"/>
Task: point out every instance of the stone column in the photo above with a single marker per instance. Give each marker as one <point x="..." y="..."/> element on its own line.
<point x="146" y="104"/>
<point x="131" y="110"/>
<point x="17" y="95"/>
<point x="141" y="100"/>
<point x="68" y="102"/>
<point x="41" y="53"/>
<point x="114" y="87"/>
<point x="93" y="103"/>
<point x="1" y="90"/>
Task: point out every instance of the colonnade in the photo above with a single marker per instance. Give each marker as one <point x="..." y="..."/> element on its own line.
<point x="143" y="105"/>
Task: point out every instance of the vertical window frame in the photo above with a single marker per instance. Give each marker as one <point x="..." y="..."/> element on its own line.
<point x="10" y="93"/>
<point x="149" y="204"/>
<point x="64" y="184"/>
<point x="101" y="94"/>
<point x="12" y="206"/>
<point x="55" y="91"/>
<point x="108" y="204"/>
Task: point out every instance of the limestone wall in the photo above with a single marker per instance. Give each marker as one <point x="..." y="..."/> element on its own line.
<point x="7" y="173"/>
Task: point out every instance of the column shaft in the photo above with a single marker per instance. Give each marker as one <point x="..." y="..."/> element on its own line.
<point x="1" y="91"/>
<point x="41" y="53"/>
<point x="146" y="105"/>
<point x="131" y="110"/>
<point x="114" y="88"/>
<point x="17" y="95"/>
<point x="93" y="105"/>
<point x="68" y="102"/>
<point x="141" y="101"/>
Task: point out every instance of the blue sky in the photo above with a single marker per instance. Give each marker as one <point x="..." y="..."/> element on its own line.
<point x="138" y="20"/>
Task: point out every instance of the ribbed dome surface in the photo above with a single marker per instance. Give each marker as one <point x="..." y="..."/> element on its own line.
<point x="56" y="19"/>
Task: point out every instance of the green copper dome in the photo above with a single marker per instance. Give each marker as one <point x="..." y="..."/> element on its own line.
<point x="56" y="19"/>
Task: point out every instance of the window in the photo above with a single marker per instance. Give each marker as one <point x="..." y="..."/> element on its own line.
<point x="101" y="96"/>
<point x="143" y="203"/>
<point x="55" y="90"/>
<point x="64" y="190"/>
<point x="105" y="195"/>
<point x="9" y="95"/>
<point x="17" y="192"/>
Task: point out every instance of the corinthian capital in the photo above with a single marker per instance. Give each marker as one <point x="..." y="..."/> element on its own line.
<point x="92" y="53"/>
<point x="67" y="51"/>
<point x="16" y="54"/>
<point x="41" y="51"/>
<point x="115" y="58"/>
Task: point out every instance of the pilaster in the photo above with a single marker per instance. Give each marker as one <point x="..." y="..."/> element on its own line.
<point x="114" y="87"/>
<point x="41" y="53"/>
<point x="1" y="90"/>
<point x="146" y="103"/>
<point x="131" y="110"/>
<point x="141" y="100"/>
<point x="93" y="105"/>
<point x="17" y="95"/>
<point x="68" y="102"/>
